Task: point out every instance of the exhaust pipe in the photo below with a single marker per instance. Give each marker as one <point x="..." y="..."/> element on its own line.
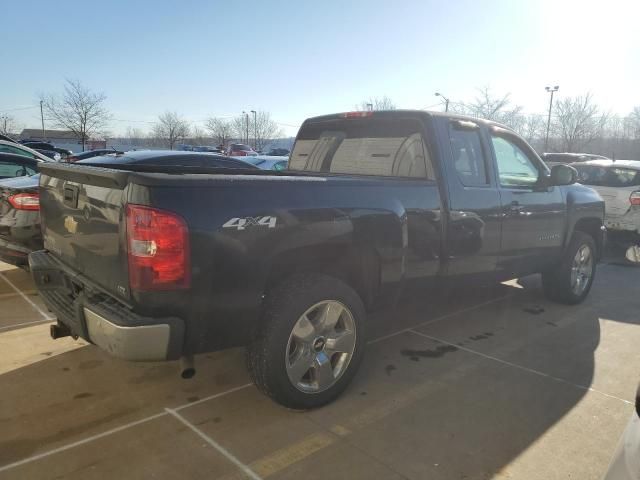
<point x="187" y="367"/>
<point x="59" y="331"/>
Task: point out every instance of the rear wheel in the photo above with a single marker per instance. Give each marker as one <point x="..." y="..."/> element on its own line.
<point x="571" y="281"/>
<point x="310" y="343"/>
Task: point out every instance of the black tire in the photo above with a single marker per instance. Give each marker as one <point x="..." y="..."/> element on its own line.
<point x="285" y="304"/>
<point x="557" y="284"/>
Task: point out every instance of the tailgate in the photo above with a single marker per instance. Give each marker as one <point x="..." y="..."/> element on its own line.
<point x="83" y="222"/>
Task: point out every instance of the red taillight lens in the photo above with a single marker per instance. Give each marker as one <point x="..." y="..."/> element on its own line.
<point x="25" y="201"/>
<point x="158" y="249"/>
<point x="357" y="114"/>
<point x="634" y="198"/>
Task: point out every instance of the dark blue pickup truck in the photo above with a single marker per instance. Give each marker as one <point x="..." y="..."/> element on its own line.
<point x="158" y="263"/>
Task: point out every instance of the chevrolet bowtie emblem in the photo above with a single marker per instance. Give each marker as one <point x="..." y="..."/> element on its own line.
<point x="70" y="224"/>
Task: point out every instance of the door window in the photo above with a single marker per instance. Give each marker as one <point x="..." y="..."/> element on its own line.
<point x="15" y="151"/>
<point x="515" y="168"/>
<point x="468" y="158"/>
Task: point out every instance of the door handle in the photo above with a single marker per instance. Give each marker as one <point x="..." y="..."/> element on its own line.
<point x="516" y="207"/>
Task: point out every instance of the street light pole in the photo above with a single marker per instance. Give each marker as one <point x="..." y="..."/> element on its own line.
<point x="246" y="129"/>
<point x="42" y="118"/>
<point x="255" y="130"/>
<point x="446" y="101"/>
<point x="551" y="90"/>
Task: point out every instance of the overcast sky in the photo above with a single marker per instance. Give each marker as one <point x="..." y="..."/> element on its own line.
<point x="298" y="59"/>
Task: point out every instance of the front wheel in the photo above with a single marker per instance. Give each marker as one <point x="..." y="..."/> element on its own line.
<point x="571" y="281"/>
<point x="310" y="343"/>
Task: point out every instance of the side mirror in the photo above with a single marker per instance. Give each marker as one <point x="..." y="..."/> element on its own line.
<point x="563" y="175"/>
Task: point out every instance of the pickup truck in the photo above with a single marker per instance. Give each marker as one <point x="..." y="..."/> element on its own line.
<point x="160" y="263"/>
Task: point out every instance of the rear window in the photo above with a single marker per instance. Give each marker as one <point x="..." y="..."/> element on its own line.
<point x="239" y="146"/>
<point x="607" y="176"/>
<point x="370" y="146"/>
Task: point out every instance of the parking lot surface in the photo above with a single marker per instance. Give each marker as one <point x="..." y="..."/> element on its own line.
<point x="468" y="383"/>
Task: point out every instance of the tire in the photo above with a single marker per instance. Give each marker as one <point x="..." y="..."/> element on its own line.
<point x="286" y="342"/>
<point x="559" y="284"/>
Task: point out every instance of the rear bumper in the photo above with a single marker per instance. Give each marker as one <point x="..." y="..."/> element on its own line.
<point x="13" y="253"/>
<point x="101" y="319"/>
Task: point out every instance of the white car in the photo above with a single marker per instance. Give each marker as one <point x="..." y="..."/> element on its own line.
<point x="19" y="149"/>
<point x="626" y="461"/>
<point x="618" y="183"/>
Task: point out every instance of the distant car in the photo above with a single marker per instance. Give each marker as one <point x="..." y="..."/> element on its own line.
<point x="18" y="149"/>
<point x="92" y="153"/>
<point x="278" y="152"/>
<point x="52" y="154"/>
<point x="49" y="150"/>
<point x="566" y="158"/>
<point x="265" y="162"/>
<point x="19" y="219"/>
<point x="618" y="183"/>
<point x="240" y="150"/>
<point x="204" y="148"/>
<point x="626" y="461"/>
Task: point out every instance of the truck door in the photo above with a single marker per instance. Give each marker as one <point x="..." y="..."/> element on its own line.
<point x="472" y="241"/>
<point x="534" y="216"/>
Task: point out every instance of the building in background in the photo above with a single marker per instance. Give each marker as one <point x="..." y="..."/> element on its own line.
<point x="61" y="139"/>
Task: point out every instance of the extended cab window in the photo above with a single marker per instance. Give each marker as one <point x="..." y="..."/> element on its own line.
<point x="515" y="168"/>
<point x="468" y="158"/>
<point x="363" y="146"/>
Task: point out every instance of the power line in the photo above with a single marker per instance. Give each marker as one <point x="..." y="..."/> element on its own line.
<point x="19" y="108"/>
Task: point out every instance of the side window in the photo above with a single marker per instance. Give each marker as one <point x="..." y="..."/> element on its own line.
<point x="515" y="168"/>
<point x="15" y="151"/>
<point x="468" y="157"/>
<point x="10" y="170"/>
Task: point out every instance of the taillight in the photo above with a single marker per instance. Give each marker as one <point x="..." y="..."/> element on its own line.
<point x="634" y="198"/>
<point x="158" y="249"/>
<point x="25" y="201"/>
<point x="357" y="114"/>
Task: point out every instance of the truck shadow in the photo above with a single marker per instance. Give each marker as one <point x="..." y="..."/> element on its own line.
<point x="431" y="405"/>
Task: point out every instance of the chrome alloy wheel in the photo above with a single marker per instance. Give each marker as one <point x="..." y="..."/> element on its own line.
<point x="581" y="269"/>
<point x="320" y="346"/>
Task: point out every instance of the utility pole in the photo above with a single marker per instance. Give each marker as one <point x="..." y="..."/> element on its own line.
<point x="246" y="128"/>
<point x="42" y="118"/>
<point x="551" y="90"/>
<point x="255" y="130"/>
<point x="446" y="101"/>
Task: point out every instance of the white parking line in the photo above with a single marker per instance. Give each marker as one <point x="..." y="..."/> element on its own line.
<point x="110" y="432"/>
<point x="27" y="299"/>
<point x="437" y="319"/>
<point x="228" y="455"/>
<point x="515" y="365"/>
<point x="7" y="327"/>
<point x="80" y="442"/>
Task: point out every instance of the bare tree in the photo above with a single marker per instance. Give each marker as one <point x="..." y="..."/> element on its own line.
<point x="578" y="121"/>
<point x="79" y="110"/>
<point x="257" y="132"/>
<point x="634" y="121"/>
<point x="8" y="125"/>
<point x="171" y="128"/>
<point x="221" y="130"/>
<point x="376" y="103"/>
<point x="490" y="107"/>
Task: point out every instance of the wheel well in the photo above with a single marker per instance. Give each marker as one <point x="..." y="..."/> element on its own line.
<point x="358" y="268"/>
<point x="592" y="226"/>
